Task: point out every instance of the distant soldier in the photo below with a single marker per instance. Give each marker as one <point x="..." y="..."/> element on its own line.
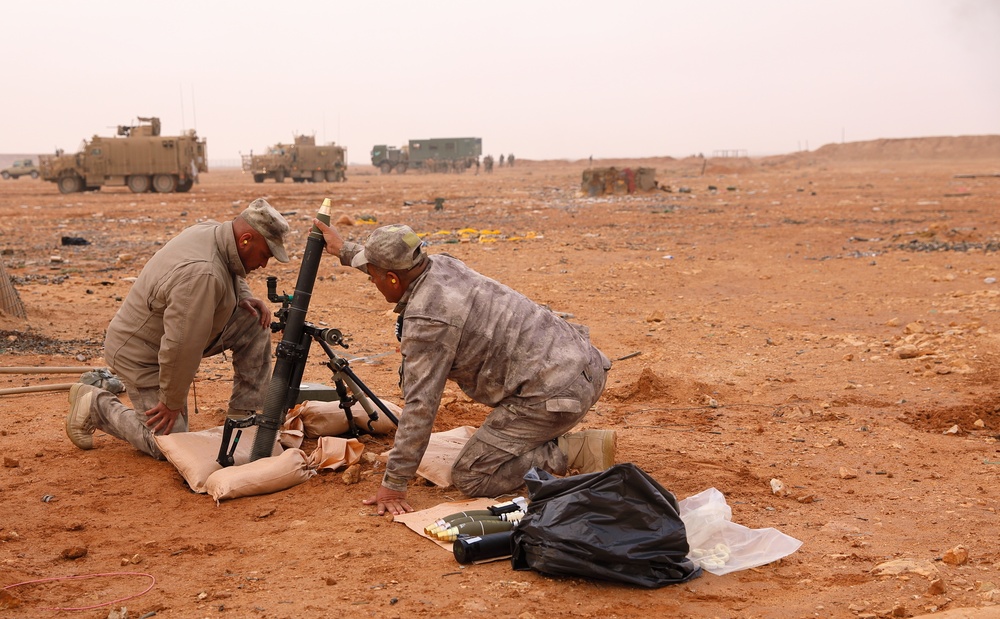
<point x="501" y="160"/>
<point x="488" y="164"/>
<point x="510" y="160"/>
<point x="477" y="166"/>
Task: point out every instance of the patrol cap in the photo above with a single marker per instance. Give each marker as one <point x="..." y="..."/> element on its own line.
<point x="394" y="248"/>
<point x="269" y="223"/>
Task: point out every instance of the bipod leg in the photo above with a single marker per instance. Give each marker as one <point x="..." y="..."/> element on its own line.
<point x="365" y="395"/>
<point x="346" y="402"/>
<point x="342" y="373"/>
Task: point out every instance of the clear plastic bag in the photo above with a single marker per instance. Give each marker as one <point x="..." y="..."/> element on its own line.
<point x="721" y="546"/>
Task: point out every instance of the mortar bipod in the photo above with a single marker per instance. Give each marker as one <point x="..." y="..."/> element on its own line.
<point x="350" y="391"/>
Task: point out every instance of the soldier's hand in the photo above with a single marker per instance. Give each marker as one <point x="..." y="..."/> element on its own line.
<point x="390" y="500"/>
<point x="161" y="418"/>
<point x="334" y="242"/>
<point x="259" y="308"/>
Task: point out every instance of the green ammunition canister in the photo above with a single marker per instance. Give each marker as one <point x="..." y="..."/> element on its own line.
<point x="436" y="528"/>
<point x="478" y="527"/>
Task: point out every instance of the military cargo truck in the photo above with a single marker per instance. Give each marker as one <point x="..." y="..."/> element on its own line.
<point x="138" y="157"/>
<point x="21" y="167"/>
<point x="301" y="161"/>
<point x="433" y="155"/>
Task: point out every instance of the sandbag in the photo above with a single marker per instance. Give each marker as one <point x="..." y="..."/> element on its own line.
<point x="328" y="419"/>
<point x="618" y="524"/>
<point x="333" y="452"/>
<point x="194" y="454"/>
<point x="441" y="453"/>
<point x="292" y="431"/>
<point x="260" y="476"/>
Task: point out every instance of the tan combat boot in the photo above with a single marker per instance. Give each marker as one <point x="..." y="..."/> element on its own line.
<point x="79" y="427"/>
<point x="588" y="451"/>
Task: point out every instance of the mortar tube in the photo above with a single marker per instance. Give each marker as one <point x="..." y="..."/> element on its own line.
<point x="289" y="352"/>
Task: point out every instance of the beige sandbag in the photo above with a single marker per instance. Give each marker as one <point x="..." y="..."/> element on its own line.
<point x="263" y="476"/>
<point x="328" y="419"/>
<point x="332" y="452"/>
<point x="441" y="453"/>
<point x="194" y="454"/>
<point x="291" y="433"/>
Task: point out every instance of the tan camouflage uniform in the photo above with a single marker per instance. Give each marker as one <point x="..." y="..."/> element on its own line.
<point x="181" y="308"/>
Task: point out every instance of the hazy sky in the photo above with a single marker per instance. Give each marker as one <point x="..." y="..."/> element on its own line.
<point x="544" y="79"/>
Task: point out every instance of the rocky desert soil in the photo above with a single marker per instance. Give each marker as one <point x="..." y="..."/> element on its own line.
<point x="827" y="319"/>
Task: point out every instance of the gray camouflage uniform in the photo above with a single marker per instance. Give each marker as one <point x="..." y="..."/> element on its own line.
<point x="539" y="373"/>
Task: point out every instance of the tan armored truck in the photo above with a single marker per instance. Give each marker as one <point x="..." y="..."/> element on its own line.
<point x="138" y="157"/>
<point x="301" y="161"/>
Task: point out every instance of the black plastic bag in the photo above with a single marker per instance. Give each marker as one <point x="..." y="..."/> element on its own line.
<point x="619" y="524"/>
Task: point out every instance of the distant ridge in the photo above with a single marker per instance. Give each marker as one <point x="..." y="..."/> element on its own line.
<point x="948" y="147"/>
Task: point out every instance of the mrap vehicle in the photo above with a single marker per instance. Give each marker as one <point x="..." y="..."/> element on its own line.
<point x="433" y="155"/>
<point x="301" y="161"/>
<point x="138" y="157"/>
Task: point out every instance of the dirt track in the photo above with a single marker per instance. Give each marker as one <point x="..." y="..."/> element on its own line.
<point x="826" y="319"/>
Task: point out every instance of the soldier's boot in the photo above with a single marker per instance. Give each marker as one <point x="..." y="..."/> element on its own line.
<point x="589" y="451"/>
<point x="79" y="425"/>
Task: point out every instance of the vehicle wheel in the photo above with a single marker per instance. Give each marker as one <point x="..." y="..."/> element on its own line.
<point x="138" y="183"/>
<point x="279" y="176"/>
<point x="185" y="185"/>
<point x="6" y="175"/>
<point x="332" y="176"/>
<point x="70" y="184"/>
<point x="401" y="169"/>
<point x="258" y="178"/>
<point x="165" y="183"/>
<point x="318" y="176"/>
<point x="34" y="174"/>
<point x="386" y="167"/>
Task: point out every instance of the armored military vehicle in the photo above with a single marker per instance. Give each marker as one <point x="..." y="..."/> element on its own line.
<point x="21" y="167"/>
<point x="138" y="157"/>
<point x="433" y="155"/>
<point x="301" y="161"/>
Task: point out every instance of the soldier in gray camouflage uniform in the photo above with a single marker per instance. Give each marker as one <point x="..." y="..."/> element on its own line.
<point x="538" y="372"/>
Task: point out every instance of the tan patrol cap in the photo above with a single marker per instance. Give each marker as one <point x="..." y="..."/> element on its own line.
<point x="394" y="248"/>
<point x="269" y="223"/>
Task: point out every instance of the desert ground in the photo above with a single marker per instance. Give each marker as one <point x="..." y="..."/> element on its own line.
<point x="827" y="319"/>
